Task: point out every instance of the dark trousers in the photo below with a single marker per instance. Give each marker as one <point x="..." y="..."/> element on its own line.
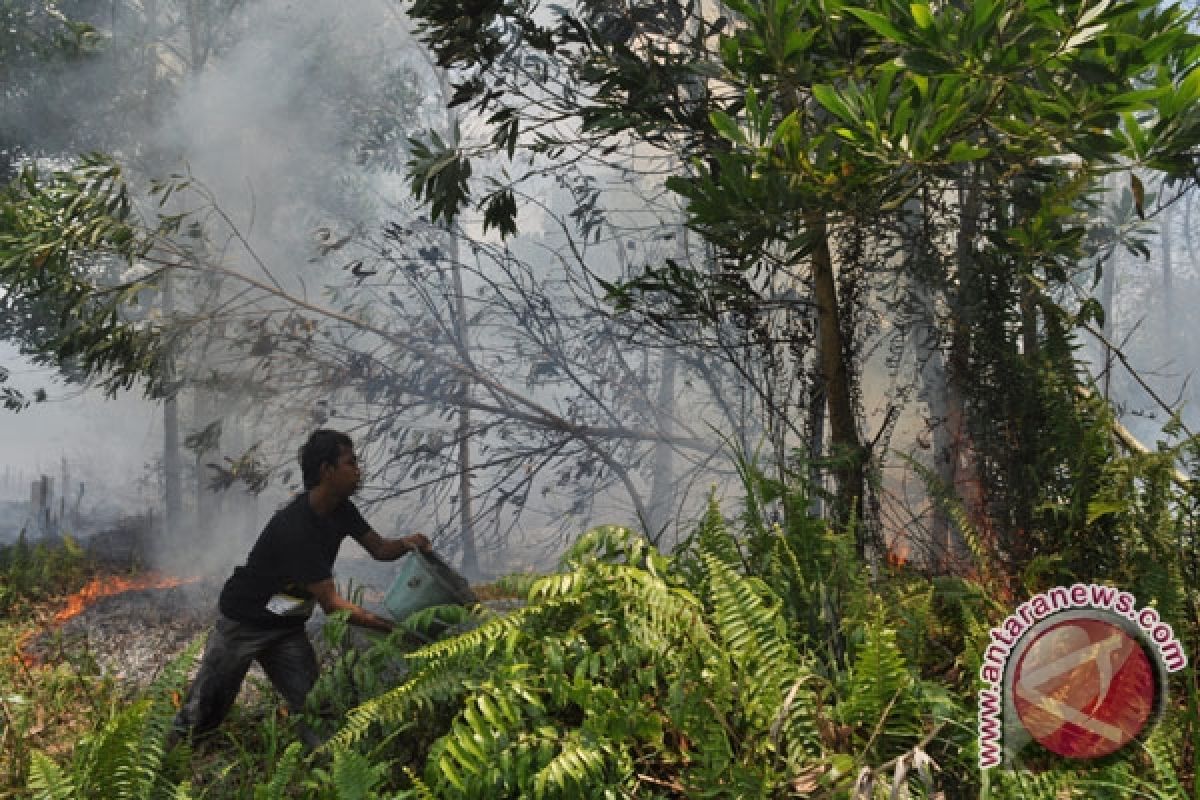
<point x="285" y="654"/>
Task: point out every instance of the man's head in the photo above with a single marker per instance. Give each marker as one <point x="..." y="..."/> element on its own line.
<point x="330" y="454"/>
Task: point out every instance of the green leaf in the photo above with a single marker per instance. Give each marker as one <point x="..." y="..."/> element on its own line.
<point x="1139" y="195"/>
<point x="883" y="91"/>
<point x="922" y="15"/>
<point x="799" y="41"/>
<point x="1137" y="100"/>
<point x="1093" y="13"/>
<point x="922" y="84"/>
<point x="984" y="14"/>
<point x="1083" y="37"/>
<point x="962" y="151"/>
<point x="1189" y="89"/>
<point x="727" y="127"/>
<point x="881" y="25"/>
<point x="829" y="98"/>
<point x="1098" y="508"/>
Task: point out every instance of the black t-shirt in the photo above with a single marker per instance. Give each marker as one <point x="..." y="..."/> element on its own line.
<point x="296" y="548"/>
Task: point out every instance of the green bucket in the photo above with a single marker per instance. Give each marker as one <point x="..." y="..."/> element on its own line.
<point x="425" y="580"/>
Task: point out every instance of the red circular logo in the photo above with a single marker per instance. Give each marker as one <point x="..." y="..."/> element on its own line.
<point x="1084" y="688"/>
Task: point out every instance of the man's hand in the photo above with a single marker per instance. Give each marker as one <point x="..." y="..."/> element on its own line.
<point x="327" y="595"/>
<point x="418" y="541"/>
<point x="382" y="549"/>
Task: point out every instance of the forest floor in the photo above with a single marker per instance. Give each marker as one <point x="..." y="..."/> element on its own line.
<point x="69" y="658"/>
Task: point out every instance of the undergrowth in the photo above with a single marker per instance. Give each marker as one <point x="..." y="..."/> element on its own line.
<point x="762" y="659"/>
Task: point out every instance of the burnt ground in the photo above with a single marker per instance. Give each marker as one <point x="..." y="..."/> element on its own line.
<point x="133" y="635"/>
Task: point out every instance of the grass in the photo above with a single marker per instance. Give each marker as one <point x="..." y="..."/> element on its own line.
<point x="46" y="703"/>
<point x="49" y="704"/>
<point x="54" y="694"/>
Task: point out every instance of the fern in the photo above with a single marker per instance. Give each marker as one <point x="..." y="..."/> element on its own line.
<point x="351" y="776"/>
<point x="714" y="538"/>
<point x="574" y="771"/>
<point x="123" y="758"/>
<point x="750" y="631"/>
<point x="1123" y="777"/>
<point x="398" y="706"/>
<point x="615" y="668"/>
<point x="612" y="543"/>
<point x="48" y="781"/>
<point x="419" y="791"/>
<point x="982" y="552"/>
<point x="277" y="787"/>
<point x="878" y="700"/>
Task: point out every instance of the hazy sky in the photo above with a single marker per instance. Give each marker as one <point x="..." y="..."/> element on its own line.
<point x="106" y="442"/>
<point x="266" y="126"/>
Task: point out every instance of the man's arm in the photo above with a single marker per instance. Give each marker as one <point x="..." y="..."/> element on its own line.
<point x="327" y="595"/>
<point x="382" y="549"/>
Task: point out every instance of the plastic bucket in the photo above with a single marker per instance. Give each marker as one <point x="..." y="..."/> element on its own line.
<point x="425" y="580"/>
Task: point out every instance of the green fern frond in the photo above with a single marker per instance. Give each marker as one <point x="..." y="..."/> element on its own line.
<point x="1158" y="749"/>
<point x="752" y="632"/>
<point x="1027" y="785"/>
<point x="911" y="608"/>
<point x="123" y="758"/>
<point x="48" y="781"/>
<point x="611" y="664"/>
<point x="104" y="758"/>
<point x="610" y="543"/>
<point x="277" y="788"/>
<point x="666" y="608"/>
<point x="714" y="537"/>
<point x="440" y="670"/>
<point x="495" y="631"/>
<point x="467" y="757"/>
<point x="419" y="789"/>
<point x="141" y="775"/>
<point x="879" y="700"/>
<point x="577" y="770"/>
<point x="950" y="503"/>
<point x="560" y="584"/>
<point x="436" y="620"/>
<point x="399" y="706"/>
<point x="355" y="777"/>
<point x="776" y="695"/>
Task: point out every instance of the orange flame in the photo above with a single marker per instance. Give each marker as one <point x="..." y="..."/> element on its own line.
<point x="23" y="654"/>
<point x="108" y="585"/>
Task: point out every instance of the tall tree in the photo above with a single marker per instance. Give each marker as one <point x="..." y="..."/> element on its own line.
<point x="819" y="121"/>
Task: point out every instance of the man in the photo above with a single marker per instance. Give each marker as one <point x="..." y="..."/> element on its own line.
<point x="265" y="603"/>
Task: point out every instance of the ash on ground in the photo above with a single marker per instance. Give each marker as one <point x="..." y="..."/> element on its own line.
<point x="134" y="635"/>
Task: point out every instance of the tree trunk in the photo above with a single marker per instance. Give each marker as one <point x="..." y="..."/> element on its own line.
<point x="664" y="467"/>
<point x="962" y="466"/>
<point x="1167" y="317"/>
<point x="1029" y="331"/>
<point x="470" y="554"/>
<point x="172" y="463"/>
<point x="948" y="432"/>
<point x="816" y="445"/>
<point x="1108" y="288"/>
<point x="846" y="449"/>
<point x="936" y="388"/>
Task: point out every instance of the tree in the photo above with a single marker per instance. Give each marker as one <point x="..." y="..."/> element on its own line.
<point x="819" y="127"/>
<point x="842" y="163"/>
<point x="559" y="402"/>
